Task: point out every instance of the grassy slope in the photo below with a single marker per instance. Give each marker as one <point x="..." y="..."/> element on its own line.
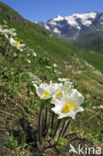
<point x="17" y="89"/>
<point x="96" y="46"/>
<point x="94" y="54"/>
<point x="95" y="59"/>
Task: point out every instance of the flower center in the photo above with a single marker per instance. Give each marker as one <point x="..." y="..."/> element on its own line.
<point x="46" y="94"/>
<point x="66" y="78"/>
<point x="17" y="42"/>
<point x="68" y="106"/>
<point x="58" y="94"/>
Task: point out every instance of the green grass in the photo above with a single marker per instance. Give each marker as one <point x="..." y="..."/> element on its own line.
<point x="16" y="82"/>
<point x="96" y="46"/>
<point x="93" y="58"/>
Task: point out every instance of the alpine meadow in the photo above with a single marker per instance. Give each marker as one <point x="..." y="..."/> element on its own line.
<point x="51" y="88"/>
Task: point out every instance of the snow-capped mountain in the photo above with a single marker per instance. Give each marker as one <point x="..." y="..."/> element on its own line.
<point x="76" y="21"/>
<point x="72" y="27"/>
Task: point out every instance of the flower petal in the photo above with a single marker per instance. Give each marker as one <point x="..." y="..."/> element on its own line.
<point x="76" y="97"/>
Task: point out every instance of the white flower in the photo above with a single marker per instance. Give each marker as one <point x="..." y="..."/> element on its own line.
<point x="5" y="22"/>
<point x="12" y="29"/>
<point x="55" y="65"/>
<point x="101" y="106"/>
<point x="34" y="54"/>
<point x="46" y="91"/>
<point x="67" y="87"/>
<point x="63" y="79"/>
<point x="94" y="107"/>
<point x="28" y="61"/>
<point x="1" y="29"/>
<point x="4" y="32"/>
<point x="5" y="26"/>
<point x="12" y="32"/>
<point x="6" y="36"/>
<point x="28" y="54"/>
<point x="16" y="44"/>
<point x="68" y="106"/>
<point x="48" y="67"/>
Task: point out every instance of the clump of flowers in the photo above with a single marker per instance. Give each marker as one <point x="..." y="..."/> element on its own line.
<point x="62" y="102"/>
<point x="9" y="34"/>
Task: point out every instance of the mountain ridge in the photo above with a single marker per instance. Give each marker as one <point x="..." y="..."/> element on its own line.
<point x="77" y="27"/>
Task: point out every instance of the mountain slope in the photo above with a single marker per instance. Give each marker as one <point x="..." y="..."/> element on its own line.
<point x="44" y="58"/>
<point x="96" y="46"/>
<point x="38" y="38"/>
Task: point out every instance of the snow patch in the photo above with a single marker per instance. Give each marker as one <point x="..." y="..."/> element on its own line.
<point x="59" y="18"/>
<point x="85" y="18"/>
<point x="46" y="27"/>
<point x="54" y="20"/>
<point x="71" y="20"/>
<point x="55" y="30"/>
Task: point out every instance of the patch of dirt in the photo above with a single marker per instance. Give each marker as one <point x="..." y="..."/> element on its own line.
<point x="75" y="141"/>
<point x="22" y="124"/>
<point x="92" y="84"/>
<point x="15" y="121"/>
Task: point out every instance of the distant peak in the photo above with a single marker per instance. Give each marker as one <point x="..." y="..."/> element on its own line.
<point x="86" y="15"/>
<point x="58" y="17"/>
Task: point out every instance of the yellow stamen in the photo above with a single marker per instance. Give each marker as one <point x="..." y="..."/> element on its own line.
<point x="67" y="78"/>
<point x="68" y="106"/>
<point x="46" y="94"/>
<point x="12" y="73"/>
<point x="58" y="94"/>
<point x="17" y="42"/>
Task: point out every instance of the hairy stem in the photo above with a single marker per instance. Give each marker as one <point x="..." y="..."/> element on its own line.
<point x="52" y="120"/>
<point x="57" y="126"/>
<point x="39" y="124"/>
<point x="66" y="127"/>
<point x="45" y="120"/>
<point x="60" y="133"/>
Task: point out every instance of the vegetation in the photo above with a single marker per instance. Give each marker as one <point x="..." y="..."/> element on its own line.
<point x="93" y="58"/>
<point x="19" y="103"/>
<point x="96" y="46"/>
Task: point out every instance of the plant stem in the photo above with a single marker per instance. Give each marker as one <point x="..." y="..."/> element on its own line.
<point x="58" y="123"/>
<point x="52" y="123"/>
<point x="66" y="127"/>
<point x="52" y="120"/>
<point x="45" y="120"/>
<point x="60" y="133"/>
<point x="39" y="124"/>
